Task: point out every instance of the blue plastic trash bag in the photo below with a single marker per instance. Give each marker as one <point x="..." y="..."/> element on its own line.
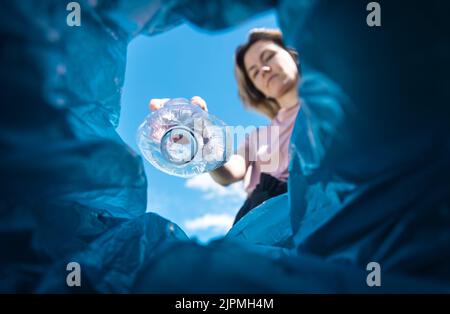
<point x="371" y="152"/>
<point x="66" y="175"/>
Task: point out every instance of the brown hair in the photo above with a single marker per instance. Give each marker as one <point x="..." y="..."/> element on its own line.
<point x="249" y="94"/>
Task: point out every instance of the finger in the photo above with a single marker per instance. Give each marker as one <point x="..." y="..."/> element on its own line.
<point x="197" y="100"/>
<point x="157" y="103"/>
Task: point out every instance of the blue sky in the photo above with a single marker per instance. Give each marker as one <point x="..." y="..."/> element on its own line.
<point x="185" y="62"/>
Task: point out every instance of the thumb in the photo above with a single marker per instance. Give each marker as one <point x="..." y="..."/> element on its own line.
<point x="157" y="103"/>
<point x="197" y="100"/>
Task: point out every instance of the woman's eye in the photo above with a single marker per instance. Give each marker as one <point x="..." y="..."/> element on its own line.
<point x="270" y="56"/>
<point x="255" y="74"/>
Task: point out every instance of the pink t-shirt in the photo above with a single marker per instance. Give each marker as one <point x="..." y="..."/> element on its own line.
<point x="267" y="148"/>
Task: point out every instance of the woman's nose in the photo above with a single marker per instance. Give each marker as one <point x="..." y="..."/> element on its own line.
<point x="265" y="69"/>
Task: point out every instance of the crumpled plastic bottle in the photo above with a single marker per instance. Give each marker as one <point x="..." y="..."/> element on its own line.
<point x="183" y="140"/>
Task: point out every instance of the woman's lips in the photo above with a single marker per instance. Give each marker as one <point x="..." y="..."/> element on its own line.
<point x="270" y="79"/>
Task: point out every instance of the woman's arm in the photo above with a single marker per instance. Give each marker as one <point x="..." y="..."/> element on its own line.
<point x="234" y="170"/>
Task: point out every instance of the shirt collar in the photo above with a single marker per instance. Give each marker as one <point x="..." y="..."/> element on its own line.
<point x="286" y="113"/>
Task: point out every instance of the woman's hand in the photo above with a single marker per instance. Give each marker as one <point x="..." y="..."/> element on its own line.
<point x="199" y="101"/>
<point x="158" y="103"/>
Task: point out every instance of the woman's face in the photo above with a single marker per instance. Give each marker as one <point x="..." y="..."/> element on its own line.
<point x="271" y="68"/>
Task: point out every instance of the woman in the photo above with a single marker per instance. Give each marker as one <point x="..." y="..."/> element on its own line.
<point x="267" y="73"/>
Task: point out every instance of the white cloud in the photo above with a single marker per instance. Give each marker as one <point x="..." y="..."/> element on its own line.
<point x="213" y="190"/>
<point x="218" y="222"/>
<point x="228" y="199"/>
